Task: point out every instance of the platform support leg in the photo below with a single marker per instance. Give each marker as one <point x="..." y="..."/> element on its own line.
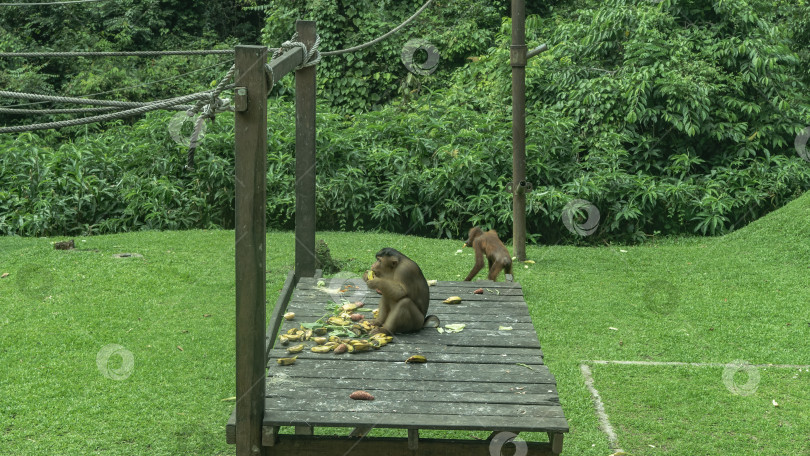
<point x="556" y="441"/>
<point x="413" y="439"/>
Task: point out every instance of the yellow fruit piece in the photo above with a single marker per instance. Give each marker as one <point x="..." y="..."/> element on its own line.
<point x="416" y="359"/>
<point x="452" y="300"/>
<point x="296" y="348"/>
<point x="370" y="274"/>
<point x="289" y="315"/>
<point x="321" y="349"/>
<point x="286" y="361"/>
<point x="338" y="321"/>
<point x="319" y="340"/>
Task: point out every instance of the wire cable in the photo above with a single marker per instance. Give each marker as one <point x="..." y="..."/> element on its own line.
<point x="380" y="38"/>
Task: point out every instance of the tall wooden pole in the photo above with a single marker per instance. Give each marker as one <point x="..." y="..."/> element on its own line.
<point x="518" y="60"/>
<point x="305" y="159"/>
<point x="250" y="135"/>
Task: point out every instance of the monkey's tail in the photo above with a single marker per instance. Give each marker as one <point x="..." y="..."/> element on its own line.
<point x="432" y="319"/>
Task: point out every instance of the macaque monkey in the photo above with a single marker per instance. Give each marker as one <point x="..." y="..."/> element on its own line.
<point x="488" y="244"/>
<point x="405" y="295"/>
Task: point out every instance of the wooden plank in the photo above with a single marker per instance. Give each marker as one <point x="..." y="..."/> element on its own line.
<point x="250" y="205"/>
<point x="283" y="384"/>
<point x="378" y="419"/>
<point x="330" y="393"/>
<point x="493" y="373"/>
<point x="422" y="411"/>
<point x="376" y="446"/>
<point x="284" y="64"/>
<point x="402" y="404"/>
<point x="278" y="311"/>
<point x="400" y="352"/>
<point x="488" y="320"/>
<point x="305" y="158"/>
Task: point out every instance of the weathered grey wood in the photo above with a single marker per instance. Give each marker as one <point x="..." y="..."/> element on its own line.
<point x="556" y="440"/>
<point x="283" y="64"/>
<point x="413" y="439"/>
<point x="446" y="394"/>
<point x="397" y="352"/>
<point x="270" y="435"/>
<point x="250" y="164"/>
<point x="283" y="384"/>
<point x="230" y="429"/>
<point x="305" y="158"/>
<point x="377" y="446"/>
<point x="492" y="373"/>
<point x="278" y="311"/>
<point x="473" y="379"/>
<point x="403" y="404"/>
<point x="518" y="62"/>
<point x="405" y="421"/>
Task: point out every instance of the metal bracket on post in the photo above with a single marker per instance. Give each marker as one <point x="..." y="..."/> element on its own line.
<point x="518" y="55"/>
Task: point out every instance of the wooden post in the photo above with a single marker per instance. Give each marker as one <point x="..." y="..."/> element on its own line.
<point x="305" y="159"/>
<point x="518" y="60"/>
<point x="250" y="137"/>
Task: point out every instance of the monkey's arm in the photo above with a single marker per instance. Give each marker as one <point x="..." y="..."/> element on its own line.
<point x="479" y="259"/>
<point x="392" y="289"/>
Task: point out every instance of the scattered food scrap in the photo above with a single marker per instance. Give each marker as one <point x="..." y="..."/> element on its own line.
<point x="361" y="396"/>
<point x="416" y="359"/>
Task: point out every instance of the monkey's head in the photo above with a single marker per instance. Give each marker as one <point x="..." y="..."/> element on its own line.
<point x="387" y="261"/>
<point x="474" y="233"/>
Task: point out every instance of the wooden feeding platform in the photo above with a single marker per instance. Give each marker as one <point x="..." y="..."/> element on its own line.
<point x="490" y="376"/>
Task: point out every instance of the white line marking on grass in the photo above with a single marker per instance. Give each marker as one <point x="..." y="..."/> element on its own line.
<point x="601" y="414"/>
<point x="677" y="363"/>
<point x="604" y="423"/>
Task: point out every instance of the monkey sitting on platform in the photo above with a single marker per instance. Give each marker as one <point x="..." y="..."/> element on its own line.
<point x="405" y="295"/>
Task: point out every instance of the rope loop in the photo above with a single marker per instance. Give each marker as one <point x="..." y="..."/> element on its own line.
<point x="311" y="56"/>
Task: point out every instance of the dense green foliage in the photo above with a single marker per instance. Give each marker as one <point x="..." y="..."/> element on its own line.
<point x="665" y="117"/>
<point x="121" y="25"/>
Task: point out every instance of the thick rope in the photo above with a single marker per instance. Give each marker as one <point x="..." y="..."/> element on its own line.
<point x="377" y="40"/>
<point x="19" y="111"/>
<point x="106" y="117"/>
<point x="75" y="100"/>
<point x="311" y="56"/>
<point x="116" y="53"/>
<point x="210" y="109"/>
<point x="50" y="3"/>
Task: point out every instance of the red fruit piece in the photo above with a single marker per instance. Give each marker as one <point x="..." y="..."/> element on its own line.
<point x="361" y="396"/>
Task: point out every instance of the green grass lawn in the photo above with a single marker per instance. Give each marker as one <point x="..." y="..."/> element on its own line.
<point x="72" y="322"/>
